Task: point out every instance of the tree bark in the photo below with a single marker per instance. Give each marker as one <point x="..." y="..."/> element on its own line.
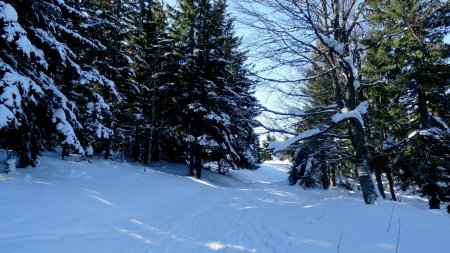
<point x="148" y="155"/>
<point x="391" y="183"/>
<point x="324" y="170"/>
<point x="65" y="151"/>
<point x="365" y="176"/>
<point x="195" y="160"/>
<point x="198" y="161"/>
<point x="191" y="160"/>
<point x="378" y="164"/>
<point x="108" y="154"/>
<point x="379" y="181"/>
<point x="423" y="110"/>
<point x="333" y="176"/>
<point x="136" y="149"/>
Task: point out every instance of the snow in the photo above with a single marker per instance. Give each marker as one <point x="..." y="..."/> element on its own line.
<point x="14" y="87"/>
<point x="11" y="96"/>
<point x="205" y="140"/>
<point x="332" y="43"/>
<point x="412" y="134"/>
<point x="89" y="150"/>
<point x="441" y="122"/>
<point x="102" y="131"/>
<point x="309" y="164"/>
<point x="6" y="116"/>
<point x="434" y="132"/>
<point x="357" y="113"/>
<point x="105" y="206"/>
<point x="223" y="118"/>
<point x="66" y="129"/>
<point x="296" y="111"/>
<point x="24" y="44"/>
<point x="357" y="84"/>
<point x="63" y="51"/>
<point x="8" y="13"/>
<point x="13" y="32"/>
<point x="13" y="78"/>
<point x="282" y="145"/>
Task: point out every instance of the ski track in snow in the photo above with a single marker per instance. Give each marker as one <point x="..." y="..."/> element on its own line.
<point x="73" y="206"/>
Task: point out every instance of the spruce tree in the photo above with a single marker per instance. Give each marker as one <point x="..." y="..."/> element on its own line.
<point x="48" y="88"/>
<point x="408" y="56"/>
<point x="153" y="67"/>
<point x="215" y="94"/>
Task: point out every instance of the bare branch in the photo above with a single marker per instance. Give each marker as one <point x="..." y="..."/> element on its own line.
<point x="311" y="112"/>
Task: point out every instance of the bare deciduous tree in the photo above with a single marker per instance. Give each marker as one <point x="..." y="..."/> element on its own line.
<point x="316" y="34"/>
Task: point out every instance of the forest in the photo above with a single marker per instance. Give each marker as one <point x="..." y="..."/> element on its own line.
<point x="365" y="87"/>
<point x="125" y="79"/>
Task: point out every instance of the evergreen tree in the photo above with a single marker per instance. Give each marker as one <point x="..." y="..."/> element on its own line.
<point x="324" y="154"/>
<point x="154" y="72"/>
<point x="407" y="54"/>
<point x="266" y="154"/>
<point x="215" y="93"/>
<point x="109" y="28"/>
<point x="43" y="73"/>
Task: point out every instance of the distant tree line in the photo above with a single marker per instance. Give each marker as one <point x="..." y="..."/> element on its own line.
<point x="128" y="77"/>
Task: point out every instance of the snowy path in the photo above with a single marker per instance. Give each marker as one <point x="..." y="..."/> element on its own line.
<point x="110" y="207"/>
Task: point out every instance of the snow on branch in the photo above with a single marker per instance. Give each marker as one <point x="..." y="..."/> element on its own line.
<point x="101" y="131"/>
<point x="8" y="13"/>
<point x="223" y="118"/>
<point x="434" y="132"/>
<point x="92" y="75"/>
<point x="75" y="35"/>
<point x="391" y="144"/>
<point x="6" y="116"/>
<point x="14" y="33"/>
<point x="357" y="113"/>
<point x="332" y="43"/>
<point x="63" y="51"/>
<point x="282" y="145"/>
<point x="70" y="9"/>
<point x="442" y="123"/>
<point x="66" y="129"/>
<point x="15" y="87"/>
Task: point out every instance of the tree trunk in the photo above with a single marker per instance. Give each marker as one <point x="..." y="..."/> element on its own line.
<point x="357" y="137"/>
<point x="198" y="167"/>
<point x="324" y="170"/>
<point x="136" y="150"/>
<point x="333" y="176"/>
<point x="148" y="156"/>
<point x="108" y="149"/>
<point x="196" y="162"/>
<point x="365" y="177"/>
<point x="391" y="183"/>
<point x="379" y="182"/>
<point x="367" y="187"/>
<point x="423" y="110"/>
<point x="191" y="160"/>
<point x="65" y="151"/>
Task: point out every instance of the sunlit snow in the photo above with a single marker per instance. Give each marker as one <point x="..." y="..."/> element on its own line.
<point x="106" y="206"/>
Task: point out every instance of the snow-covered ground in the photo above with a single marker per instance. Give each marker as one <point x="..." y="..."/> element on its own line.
<point x="74" y="206"/>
